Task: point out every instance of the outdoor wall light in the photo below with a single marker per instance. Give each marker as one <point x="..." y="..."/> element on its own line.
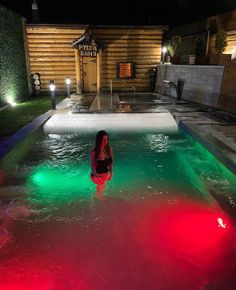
<point x="52" y="87"/>
<point x="164" y="50"/>
<point x="68" y="82"/>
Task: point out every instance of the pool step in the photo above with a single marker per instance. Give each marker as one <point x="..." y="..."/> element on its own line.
<point x="131" y="122"/>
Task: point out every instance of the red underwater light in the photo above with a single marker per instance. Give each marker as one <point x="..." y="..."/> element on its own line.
<point x="221" y="223"/>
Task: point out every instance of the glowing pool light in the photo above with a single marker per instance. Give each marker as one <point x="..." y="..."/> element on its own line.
<point x="221" y="223"/>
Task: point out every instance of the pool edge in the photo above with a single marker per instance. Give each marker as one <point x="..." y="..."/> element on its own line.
<point x="7" y="145"/>
<point x="213" y="149"/>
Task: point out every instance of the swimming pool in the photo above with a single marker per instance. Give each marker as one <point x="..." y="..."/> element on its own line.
<point x="155" y="226"/>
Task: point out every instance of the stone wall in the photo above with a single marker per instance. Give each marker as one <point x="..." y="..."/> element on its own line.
<point x="202" y="84"/>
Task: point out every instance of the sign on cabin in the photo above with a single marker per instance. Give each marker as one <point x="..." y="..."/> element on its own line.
<point x="86" y="45"/>
<point x="88" y="50"/>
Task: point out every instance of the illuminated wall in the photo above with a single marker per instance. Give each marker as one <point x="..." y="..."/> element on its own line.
<point x="13" y="72"/>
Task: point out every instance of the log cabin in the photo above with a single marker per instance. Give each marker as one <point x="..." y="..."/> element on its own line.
<point x="96" y="58"/>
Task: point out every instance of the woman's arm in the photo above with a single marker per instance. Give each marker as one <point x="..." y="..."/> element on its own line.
<point x="111" y="164"/>
<point x="93" y="163"/>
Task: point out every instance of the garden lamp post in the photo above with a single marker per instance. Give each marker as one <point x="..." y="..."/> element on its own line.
<point x="52" y="90"/>
<point x="164" y="50"/>
<point x="68" y="82"/>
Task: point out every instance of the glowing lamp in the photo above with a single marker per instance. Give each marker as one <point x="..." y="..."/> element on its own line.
<point x="52" y="86"/>
<point x="68" y="81"/>
<point x="164" y="49"/>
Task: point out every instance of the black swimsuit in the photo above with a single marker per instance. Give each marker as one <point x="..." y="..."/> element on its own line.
<point x="102" y="165"/>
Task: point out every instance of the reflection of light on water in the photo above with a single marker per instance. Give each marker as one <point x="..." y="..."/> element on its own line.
<point x="3" y="177"/>
<point x="185" y="228"/>
<point x="5" y="237"/>
<point x="38" y="272"/>
<point x="158" y="142"/>
<point x="38" y="178"/>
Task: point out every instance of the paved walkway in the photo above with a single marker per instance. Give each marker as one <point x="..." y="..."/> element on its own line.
<point x="215" y="128"/>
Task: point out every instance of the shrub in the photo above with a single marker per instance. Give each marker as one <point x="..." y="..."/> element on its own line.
<point x="174" y="44"/>
<point x="221" y="41"/>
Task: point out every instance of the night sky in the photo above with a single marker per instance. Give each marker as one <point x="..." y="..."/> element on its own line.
<point x="122" y="12"/>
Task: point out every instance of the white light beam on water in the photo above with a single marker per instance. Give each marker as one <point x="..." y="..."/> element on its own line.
<point x="72" y="123"/>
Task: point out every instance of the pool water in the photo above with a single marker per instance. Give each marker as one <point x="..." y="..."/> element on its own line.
<point x="139" y="97"/>
<point x="155" y="226"/>
<point x="145" y="165"/>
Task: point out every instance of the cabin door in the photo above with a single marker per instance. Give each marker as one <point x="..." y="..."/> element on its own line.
<point x="89" y="74"/>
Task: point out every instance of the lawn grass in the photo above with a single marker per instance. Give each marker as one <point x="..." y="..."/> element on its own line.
<point x="14" y="118"/>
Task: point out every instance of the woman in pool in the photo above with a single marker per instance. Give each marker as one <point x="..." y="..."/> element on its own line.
<point x="101" y="158"/>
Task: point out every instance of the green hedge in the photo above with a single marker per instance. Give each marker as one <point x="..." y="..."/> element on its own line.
<point x="13" y="72"/>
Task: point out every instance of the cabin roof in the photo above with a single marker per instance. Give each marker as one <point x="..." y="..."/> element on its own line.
<point x="87" y="39"/>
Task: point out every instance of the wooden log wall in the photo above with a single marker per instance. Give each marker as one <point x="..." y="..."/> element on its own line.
<point x="186" y="45"/>
<point x="231" y="40"/>
<point x="140" y="46"/>
<point x="227" y="99"/>
<point x="51" y="53"/>
<point x="225" y="21"/>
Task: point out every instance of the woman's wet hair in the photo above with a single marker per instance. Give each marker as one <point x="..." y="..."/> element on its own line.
<point x="98" y="142"/>
<point x="99" y="138"/>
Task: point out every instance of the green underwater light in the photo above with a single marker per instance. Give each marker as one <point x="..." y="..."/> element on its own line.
<point x="60" y="184"/>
